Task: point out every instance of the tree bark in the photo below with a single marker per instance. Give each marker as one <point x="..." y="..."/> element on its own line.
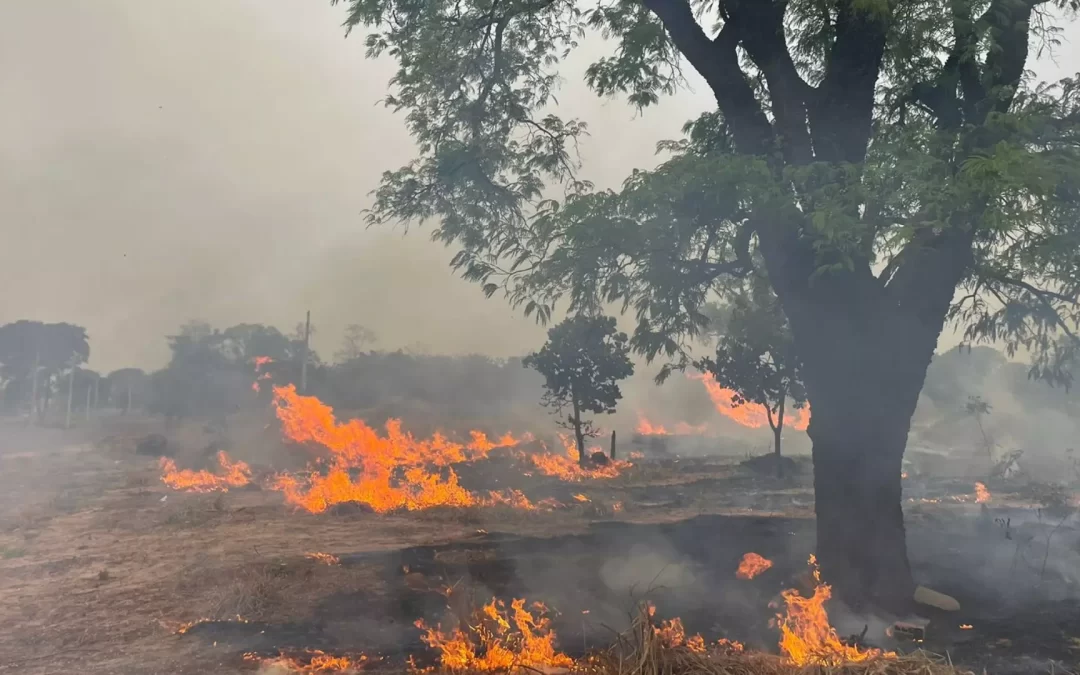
<point x="777" y="427"/>
<point x="579" y="435"/>
<point x="863" y="388"/>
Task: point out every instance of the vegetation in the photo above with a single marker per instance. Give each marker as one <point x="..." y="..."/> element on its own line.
<point x="582" y="362"/>
<point x="34" y="356"/>
<point x="879" y="155"/>
<point x="755" y="357"/>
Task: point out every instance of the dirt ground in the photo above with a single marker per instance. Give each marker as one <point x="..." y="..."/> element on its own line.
<point x="103" y="569"/>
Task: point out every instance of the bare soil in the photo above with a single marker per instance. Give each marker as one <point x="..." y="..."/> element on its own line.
<point x="103" y="569"/>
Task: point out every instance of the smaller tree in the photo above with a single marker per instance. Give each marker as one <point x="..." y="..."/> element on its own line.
<point x="755" y="356"/>
<point x="582" y="362"/>
<point x="353" y="342"/>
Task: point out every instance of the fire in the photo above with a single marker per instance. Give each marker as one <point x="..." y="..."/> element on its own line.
<point x="748" y="415"/>
<point x="235" y="474"/>
<point x="310" y="661"/>
<point x="752" y="565"/>
<point x="498" y="639"/>
<point x="672" y="634"/>
<point x="259" y="362"/>
<point x="394" y="471"/>
<point x="647" y="428"/>
<point x="581" y="498"/>
<point x="568" y="467"/>
<point x="806" y="638"/>
<point x="982" y="495"/>
<point x="325" y="558"/>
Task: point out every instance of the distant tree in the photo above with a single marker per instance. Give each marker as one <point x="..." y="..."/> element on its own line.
<point x="125" y="386"/>
<point x="582" y="362"/>
<point x="352" y="344"/>
<point x="979" y="408"/>
<point x="211" y="371"/>
<point x="755" y="357"/>
<point x="51" y="348"/>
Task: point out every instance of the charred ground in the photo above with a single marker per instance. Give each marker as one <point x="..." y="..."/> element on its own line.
<point x="107" y="570"/>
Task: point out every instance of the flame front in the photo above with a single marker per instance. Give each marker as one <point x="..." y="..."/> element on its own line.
<point x="498" y="640"/>
<point x="752" y="565"/>
<point x="982" y="495"/>
<point x="646" y="428"/>
<point x="748" y="415"/>
<point x="310" y="661"/>
<point x="807" y="638"/>
<point x="325" y="558"/>
<point x="386" y="473"/>
<point x="568" y="466"/>
<point x="235" y="474"/>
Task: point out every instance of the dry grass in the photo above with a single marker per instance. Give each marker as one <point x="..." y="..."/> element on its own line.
<point x="642" y="651"/>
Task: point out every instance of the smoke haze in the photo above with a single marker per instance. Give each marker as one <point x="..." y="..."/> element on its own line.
<point x="164" y="161"/>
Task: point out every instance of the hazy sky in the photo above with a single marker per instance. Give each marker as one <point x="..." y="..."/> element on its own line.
<point x="162" y="160"/>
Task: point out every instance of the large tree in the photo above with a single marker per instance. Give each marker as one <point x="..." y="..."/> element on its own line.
<point x="582" y="362"/>
<point x="879" y="155"/>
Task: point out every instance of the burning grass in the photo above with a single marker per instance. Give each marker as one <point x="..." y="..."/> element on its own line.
<point x="497" y="638"/>
<point x="649" y="648"/>
<point x="395" y="471"/>
<point x="234" y="474"/>
<point x="308" y="661"/>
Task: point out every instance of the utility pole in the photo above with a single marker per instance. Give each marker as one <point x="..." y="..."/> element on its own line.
<point x="71" y="392"/>
<point x="97" y="385"/>
<point x="304" y="354"/>
<point x="89" y="392"/>
<point x="33" y="389"/>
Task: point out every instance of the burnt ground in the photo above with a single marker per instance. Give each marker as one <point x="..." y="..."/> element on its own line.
<point x="101" y="565"/>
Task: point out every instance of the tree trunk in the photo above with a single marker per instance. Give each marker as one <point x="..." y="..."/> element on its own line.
<point x="579" y="434"/>
<point x="863" y="390"/>
<point x="776" y="451"/>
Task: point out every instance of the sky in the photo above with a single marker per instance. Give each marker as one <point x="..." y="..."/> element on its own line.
<point x="162" y="161"/>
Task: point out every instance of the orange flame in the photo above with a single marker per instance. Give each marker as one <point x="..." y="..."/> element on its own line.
<point x="325" y="558"/>
<point x="261" y="361"/>
<point x="310" y="661"/>
<point x="568" y="467"/>
<point x="748" y="415"/>
<point x="582" y="498"/>
<point x="982" y="495"/>
<point x="236" y="474"/>
<point x="395" y="470"/>
<point x="646" y="428"/>
<point x="672" y="634"/>
<point x="807" y="638"/>
<point x="752" y="565"/>
<point x="498" y="639"/>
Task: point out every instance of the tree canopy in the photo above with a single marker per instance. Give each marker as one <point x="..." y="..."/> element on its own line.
<point x="582" y="362"/>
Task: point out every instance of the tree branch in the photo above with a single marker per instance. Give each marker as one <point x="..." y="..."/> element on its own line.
<point x="761" y="28"/>
<point x="842" y="108"/>
<point x="717" y="61"/>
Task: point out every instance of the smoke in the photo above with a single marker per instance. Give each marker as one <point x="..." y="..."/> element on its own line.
<point x="156" y="181"/>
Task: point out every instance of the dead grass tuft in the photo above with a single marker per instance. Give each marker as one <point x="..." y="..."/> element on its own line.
<point x="256" y="592"/>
